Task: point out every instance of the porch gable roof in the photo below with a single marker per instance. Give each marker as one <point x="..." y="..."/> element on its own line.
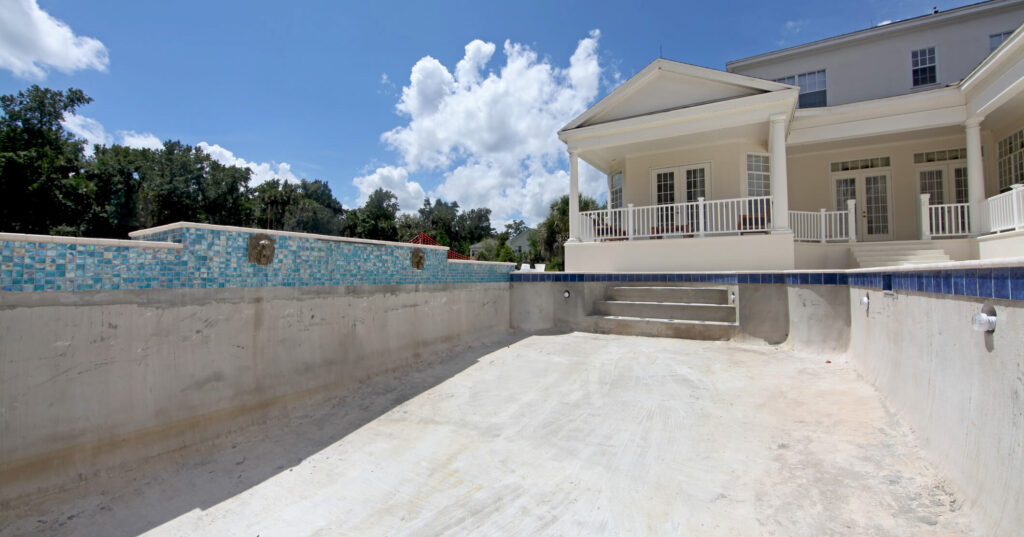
<point x="666" y="85"/>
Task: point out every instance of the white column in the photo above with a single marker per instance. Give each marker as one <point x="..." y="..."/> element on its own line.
<point x="779" y="179"/>
<point x="926" y="217"/>
<point x="975" y="174"/>
<point x="851" y="219"/>
<point x="574" y="197"/>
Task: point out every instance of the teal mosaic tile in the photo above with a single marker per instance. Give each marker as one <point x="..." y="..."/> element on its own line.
<point x="218" y="258"/>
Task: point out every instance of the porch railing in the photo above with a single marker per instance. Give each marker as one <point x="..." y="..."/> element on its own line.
<point x="944" y="220"/>
<point x="820" y="226"/>
<point x="697" y="218"/>
<point x="1004" y="212"/>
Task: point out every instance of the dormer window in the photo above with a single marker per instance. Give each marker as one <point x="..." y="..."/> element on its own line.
<point x="813" y="92"/>
<point x="995" y="40"/>
<point x="922" y="67"/>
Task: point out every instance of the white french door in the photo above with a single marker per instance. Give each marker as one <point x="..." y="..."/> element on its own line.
<point x="873" y="191"/>
<point x="946" y="183"/>
<point x="676" y="185"/>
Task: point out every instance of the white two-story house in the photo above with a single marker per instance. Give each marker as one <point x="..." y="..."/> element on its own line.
<point x="902" y="143"/>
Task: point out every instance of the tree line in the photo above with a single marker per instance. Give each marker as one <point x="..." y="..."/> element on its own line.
<point x="48" y="185"/>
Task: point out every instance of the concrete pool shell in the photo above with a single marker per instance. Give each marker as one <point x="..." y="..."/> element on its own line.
<point x="493" y="408"/>
<point x="558" y="434"/>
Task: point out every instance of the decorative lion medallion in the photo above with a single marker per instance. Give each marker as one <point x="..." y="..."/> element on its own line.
<point x="261" y="249"/>
<point x="418" y="258"/>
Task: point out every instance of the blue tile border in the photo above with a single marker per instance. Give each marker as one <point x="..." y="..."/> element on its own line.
<point x="1004" y="283"/>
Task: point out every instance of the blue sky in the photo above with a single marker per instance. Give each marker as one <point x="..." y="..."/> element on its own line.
<point x="322" y="90"/>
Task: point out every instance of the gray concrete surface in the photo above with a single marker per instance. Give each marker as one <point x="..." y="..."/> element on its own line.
<point x="764" y="312"/>
<point x="572" y="434"/>
<point x="819" y="318"/>
<point x="962" y="391"/>
<point x="93" y="380"/>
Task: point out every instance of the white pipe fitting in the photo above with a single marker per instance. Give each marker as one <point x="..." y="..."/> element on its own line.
<point x="983" y="322"/>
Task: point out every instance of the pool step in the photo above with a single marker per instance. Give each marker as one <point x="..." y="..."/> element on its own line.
<point x="675" y="328"/>
<point x="680" y="295"/>
<point x="666" y="311"/>
<point x="893" y="254"/>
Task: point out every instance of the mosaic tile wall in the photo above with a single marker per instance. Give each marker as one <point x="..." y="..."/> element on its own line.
<point x="216" y="258"/>
<point x="1004" y="283"/>
<point x="45" y="266"/>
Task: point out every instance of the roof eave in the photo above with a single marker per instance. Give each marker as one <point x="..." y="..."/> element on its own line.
<point x="873" y="32"/>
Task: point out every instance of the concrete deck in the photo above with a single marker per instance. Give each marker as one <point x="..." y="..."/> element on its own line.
<point x="570" y="434"/>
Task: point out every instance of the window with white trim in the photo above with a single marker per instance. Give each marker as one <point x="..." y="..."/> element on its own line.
<point x="860" y="164"/>
<point x="665" y="188"/>
<point x="931" y="183"/>
<point x="615" y="191"/>
<point x="813" y="90"/>
<point x="922" y="66"/>
<point x="758" y="175"/>
<point x="995" y="40"/>
<point x="1010" y="160"/>
<point x="940" y="156"/>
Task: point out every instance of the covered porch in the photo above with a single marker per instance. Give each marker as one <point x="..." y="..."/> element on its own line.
<point x="702" y="164"/>
<point x="689" y="152"/>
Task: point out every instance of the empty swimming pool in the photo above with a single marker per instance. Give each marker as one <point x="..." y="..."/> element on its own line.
<point x="556" y="434"/>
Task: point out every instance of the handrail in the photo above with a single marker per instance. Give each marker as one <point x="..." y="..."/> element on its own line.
<point x="1004" y="212"/>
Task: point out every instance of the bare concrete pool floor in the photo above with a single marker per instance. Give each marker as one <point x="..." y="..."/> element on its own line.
<point x="562" y="434"/>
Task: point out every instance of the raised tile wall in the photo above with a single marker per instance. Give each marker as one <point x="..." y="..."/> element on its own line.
<point x="215" y="258"/>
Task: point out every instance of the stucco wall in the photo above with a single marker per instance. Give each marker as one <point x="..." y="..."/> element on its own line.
<point x="879" y="66"/>
<point x="727" y="170"/>
<point x="746" y="252"/>
<point x="962" y="391"/>
<point x="1002" y="245"/>
<point x="90" y="380"/>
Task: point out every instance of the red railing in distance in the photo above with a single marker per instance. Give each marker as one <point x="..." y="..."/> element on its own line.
<point x="423" y="238"/>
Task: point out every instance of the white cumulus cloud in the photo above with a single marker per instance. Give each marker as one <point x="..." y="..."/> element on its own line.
<point x="31" y="41"/>
<point x="88" y="129"/>
<point x="261" y="171"/>
<point x="140" y="140"/>
<point x="94" y="133"/>
<point x="410" y="194"/>
<point x="493" y="136"/>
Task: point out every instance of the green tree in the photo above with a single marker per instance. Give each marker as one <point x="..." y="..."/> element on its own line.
<point x="410" y="225"/>
<point x="41" y="188"/>
<point x="224" y="195"/>
<point x="376" y="219"/>
<point x="114" y="175"/>
<point x="515" y="228"/>
<point x="270" y="202"/>
<point x="554" y="230"/>
<point x="173" y="184"/>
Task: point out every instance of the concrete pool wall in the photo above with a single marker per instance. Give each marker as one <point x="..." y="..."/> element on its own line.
<point x="114" y="351"/>
<point x="113" y="372"/>
<point x="92" y="380"/>
<point x="962" y="391"/>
